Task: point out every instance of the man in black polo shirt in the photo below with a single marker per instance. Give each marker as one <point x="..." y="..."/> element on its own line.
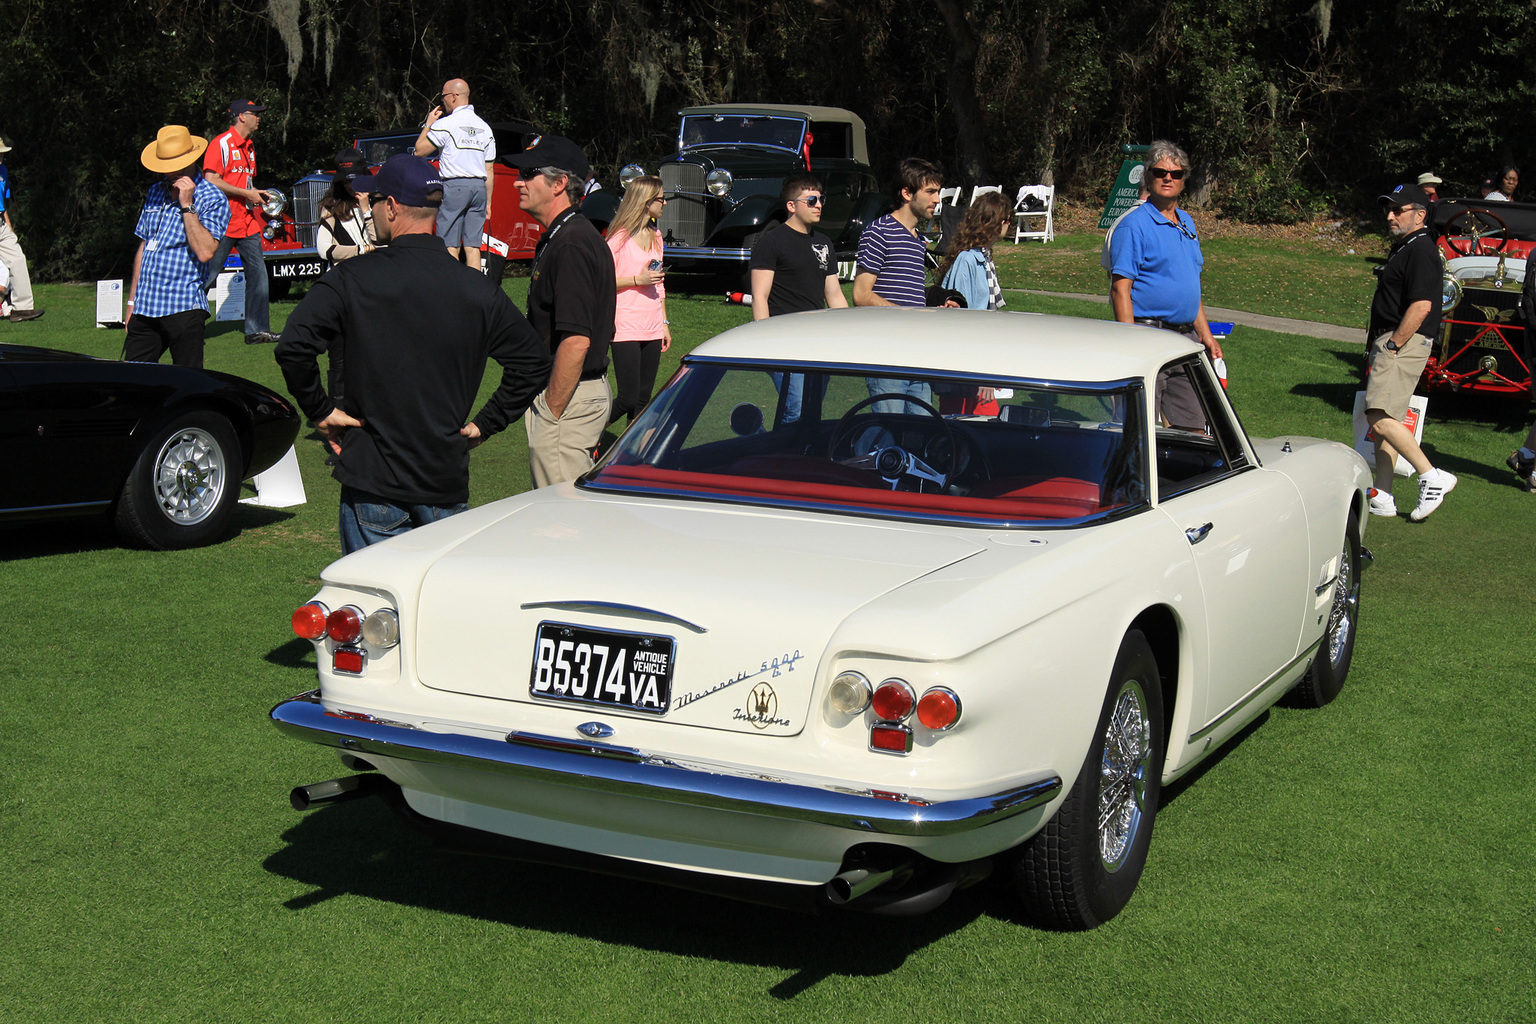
<point x="570" y="305"/>
<point x="417" y="328"/>
<point x="1405" y="318"/>
<point x="795" y="270"/>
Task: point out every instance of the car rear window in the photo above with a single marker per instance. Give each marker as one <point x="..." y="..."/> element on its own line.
<point x="964" y="449"/>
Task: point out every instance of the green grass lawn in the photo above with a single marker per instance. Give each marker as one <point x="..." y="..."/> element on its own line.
<point x="1361" y="863"/>
<point x="1281" y="278"/>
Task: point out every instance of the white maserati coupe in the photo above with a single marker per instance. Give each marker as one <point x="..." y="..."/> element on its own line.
<point x="867" y="606"/>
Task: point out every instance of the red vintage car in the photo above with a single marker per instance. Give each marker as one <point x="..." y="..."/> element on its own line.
<point x="288" y="243"/>
<point x="1483" y="344"/>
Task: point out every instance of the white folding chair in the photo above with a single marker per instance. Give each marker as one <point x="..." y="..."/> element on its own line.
<point x="950" y="195"/>
<point x="1042" y="210"/>
<point x="981" y="190"/>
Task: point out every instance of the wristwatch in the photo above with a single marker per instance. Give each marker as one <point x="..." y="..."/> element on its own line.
<point x="186" y="209"/>
<point x="1392" y="346"/>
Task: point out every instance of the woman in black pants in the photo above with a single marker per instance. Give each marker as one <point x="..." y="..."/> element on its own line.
<point x="641" y="333"/>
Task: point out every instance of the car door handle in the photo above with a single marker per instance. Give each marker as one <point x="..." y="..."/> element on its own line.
<point x="1196" y="534"/>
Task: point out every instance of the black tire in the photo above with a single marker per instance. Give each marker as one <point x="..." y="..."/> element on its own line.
<point x="1074" y="874"/>
<point x="1325" y="677"/>
<point x="182" y="490"/>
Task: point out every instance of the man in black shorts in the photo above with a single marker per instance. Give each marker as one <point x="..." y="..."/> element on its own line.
<point x="794" y="270"/>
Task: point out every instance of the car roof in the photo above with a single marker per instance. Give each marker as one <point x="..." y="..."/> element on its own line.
<point x="1033" y="346"/>
<point x="810" y="113"/>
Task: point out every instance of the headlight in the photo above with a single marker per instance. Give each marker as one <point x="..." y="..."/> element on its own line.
<point x="1450" y="293"/>
<point x="630" y="173"/>
<point x="274" y="205"/>
<point x="719" y="182"/>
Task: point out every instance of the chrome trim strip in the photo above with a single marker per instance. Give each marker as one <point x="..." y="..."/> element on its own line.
<point x="658" y="780"/>
<point x="1305" y="655"/>
<point x="600" y="607"/>
<point x="1318" y="590"/>
<point x="533" y="739"/>
<point x="81" y="505"/>
<point x="706" y="252"/>
<point x="875" y="369"/>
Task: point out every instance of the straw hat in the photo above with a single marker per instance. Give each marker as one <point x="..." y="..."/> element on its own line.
<point x="173" y="149"/>
<point x="5" y="144"/>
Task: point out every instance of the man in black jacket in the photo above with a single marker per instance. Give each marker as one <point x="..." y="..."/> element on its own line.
<point x="416" y="327"/>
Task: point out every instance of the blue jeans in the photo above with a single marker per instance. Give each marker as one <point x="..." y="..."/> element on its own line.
<point x="891" y="386"/>
<point x="258" y="316"/>
<point x="367" y="518"/>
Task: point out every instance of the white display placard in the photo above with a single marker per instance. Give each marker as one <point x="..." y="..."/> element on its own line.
<point x="109" y="303"/>
<point x="229" y="295"/>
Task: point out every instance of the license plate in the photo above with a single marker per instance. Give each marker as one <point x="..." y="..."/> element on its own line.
<point x="599" y="666"/>
<point x="296" y="270"/>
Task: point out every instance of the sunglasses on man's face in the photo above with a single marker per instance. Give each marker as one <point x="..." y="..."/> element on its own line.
<point x="1176" y="173"/>
<point x="811" y="200"/>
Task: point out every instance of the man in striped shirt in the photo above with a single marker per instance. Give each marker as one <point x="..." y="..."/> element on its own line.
<point x="892" y="268"/>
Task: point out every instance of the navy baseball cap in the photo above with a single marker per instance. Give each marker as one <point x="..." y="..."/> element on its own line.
<point x="408" y="180"/>
<point x="352" y="167"/>
<point x="551" y="151"/>
<point x="1403" y="195"/>
<point x="245" y="107"/>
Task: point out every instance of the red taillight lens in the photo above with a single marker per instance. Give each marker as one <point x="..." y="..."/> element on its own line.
<point x="893" y="700"/>
<point x="939" y="709"/>
<point x="345" y="625"/>
<point x="893" y="739"/>
<point x="309" y="620"/>
<point x="348" y="659"/>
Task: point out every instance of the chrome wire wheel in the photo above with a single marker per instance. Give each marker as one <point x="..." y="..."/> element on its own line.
<point x="190" y="476"/>
<point x="1346" y="607"/>
<point x="1123" y="770"/>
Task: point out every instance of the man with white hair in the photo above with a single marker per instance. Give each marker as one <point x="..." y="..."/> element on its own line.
<point x="1155" y="266"/>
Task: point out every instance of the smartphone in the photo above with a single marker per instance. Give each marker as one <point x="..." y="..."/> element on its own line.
<point x="655" y="265"/>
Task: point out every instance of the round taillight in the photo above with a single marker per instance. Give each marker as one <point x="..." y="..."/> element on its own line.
<point x="939" y="708"/>
<point x="345" y="625"/>
<point x="382" y="628"/>
<point x="309" y="620"/>
<point x="893" y="700"/>
<point x="849" y="693"/>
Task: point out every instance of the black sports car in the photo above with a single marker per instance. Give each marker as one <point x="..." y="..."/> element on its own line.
<point x="160" y="448"/>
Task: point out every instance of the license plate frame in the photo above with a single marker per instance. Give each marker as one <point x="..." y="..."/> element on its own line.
<point x="605" y="670"/>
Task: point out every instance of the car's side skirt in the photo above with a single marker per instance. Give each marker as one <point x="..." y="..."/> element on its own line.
<point x="1278" y="682"/>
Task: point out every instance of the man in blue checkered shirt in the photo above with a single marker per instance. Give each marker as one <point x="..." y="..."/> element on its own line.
<point x="179" y="227"/>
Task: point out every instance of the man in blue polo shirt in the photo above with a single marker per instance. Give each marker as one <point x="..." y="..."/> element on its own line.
<point x="1155" y="265"/>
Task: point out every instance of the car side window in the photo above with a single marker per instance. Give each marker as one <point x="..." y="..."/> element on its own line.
<point x="831" y="140"/>
<point x="1190" y="457"/>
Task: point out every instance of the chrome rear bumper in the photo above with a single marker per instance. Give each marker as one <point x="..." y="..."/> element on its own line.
<point x="627" y="772"/>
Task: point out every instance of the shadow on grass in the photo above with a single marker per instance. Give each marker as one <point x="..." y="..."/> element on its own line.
<point x="361" y="848"/>
<point x="58" y="537"/>
<point x="296" y="653"/>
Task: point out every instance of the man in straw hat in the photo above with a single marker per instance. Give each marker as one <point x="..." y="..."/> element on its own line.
<point x="19" y="285"/>
<point x="179" y="229"/>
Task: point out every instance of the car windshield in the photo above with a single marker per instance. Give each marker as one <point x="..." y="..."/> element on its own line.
<point x="742" y="129"/>
<point x="962" y="450"/>
<point x="378" y="150"/>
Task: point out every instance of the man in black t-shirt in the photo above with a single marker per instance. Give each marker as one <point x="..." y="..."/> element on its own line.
<point x="1405" y="318"/>
<point x="571" y="298"/>
<point x="794" y="270"/>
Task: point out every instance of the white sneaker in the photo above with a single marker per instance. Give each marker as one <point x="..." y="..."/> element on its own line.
<point x="1433" y="487"/>
<point x="1382" y="503"/>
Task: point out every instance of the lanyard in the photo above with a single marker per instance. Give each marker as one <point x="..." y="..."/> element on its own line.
<point x="549" y="236"/>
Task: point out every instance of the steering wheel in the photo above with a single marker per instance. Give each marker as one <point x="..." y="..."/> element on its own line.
<point x="893" y="461"/>
<point x="1476" y="220"/>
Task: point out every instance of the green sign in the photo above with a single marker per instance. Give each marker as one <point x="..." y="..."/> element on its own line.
<point x="1127" y="187"/>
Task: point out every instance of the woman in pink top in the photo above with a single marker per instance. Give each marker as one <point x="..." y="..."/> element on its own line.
<point x="640" y="331"/>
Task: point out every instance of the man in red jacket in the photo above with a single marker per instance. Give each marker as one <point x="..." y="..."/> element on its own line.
<point x="230" y="164"/>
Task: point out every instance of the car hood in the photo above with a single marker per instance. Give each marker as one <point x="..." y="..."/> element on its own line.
<point x="749" y="596"/>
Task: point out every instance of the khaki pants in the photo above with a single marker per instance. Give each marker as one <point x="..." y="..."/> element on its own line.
<point x="561" y="449"/>
<point x="16" y="262"/>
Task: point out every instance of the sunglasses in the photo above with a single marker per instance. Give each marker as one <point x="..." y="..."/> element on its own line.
<point x="811" y="200"/>
<point x="1176" y="173"/>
